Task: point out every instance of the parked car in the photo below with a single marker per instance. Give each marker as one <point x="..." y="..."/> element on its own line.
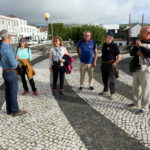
<point x="46" y="41"/>
<point x="30" y="42"/>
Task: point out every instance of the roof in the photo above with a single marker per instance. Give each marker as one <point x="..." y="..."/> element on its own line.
<point x="13" y="16"/>
<point x="133" y="25"/>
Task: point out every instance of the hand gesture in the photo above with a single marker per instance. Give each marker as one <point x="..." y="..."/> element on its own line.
<point x="138" y="43"/>
<point x="62" y="60"/>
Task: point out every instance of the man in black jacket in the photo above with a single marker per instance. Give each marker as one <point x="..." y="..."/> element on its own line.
<point x="141" y="78"/>
<point x="110" y="58"/>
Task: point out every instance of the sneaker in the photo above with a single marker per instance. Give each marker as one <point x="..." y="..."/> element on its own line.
<point x="54" y="93"/>
<point x="35" y="93"/>
<point x="61" y="93"/>
<point x="113" y="96"/>
<point x="20" y="113"/>
<point x="25" y="92"/>
<point x="80" y="88"/>
<point x="9" y="113"/>
<point x="140" y="112"/>
<point x="91" y="88"/>
<point x="104" y="93"/>
<point x="133" y="105"/>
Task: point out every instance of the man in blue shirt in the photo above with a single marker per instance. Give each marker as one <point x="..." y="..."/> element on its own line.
<point x="9" y="65"/>
<point x="87" y="53"/>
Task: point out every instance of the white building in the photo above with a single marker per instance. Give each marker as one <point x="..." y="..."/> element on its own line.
<point x="18" y="27"/>
<point x="135" y="30"/>
<point x="10" y="24"/>
<point x="120" y="42"/>
<point x="111" y="27"/>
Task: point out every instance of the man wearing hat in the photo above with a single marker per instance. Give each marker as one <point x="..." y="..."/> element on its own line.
<point x="110" y="58"/>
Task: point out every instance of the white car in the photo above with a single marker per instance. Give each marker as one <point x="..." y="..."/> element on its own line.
<point x="46" y="41"/>
<point x="30" y="42"/>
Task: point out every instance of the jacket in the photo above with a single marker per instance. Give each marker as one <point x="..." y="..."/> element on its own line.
<point x="29" y="69"/>
<point x="68" y="63"/>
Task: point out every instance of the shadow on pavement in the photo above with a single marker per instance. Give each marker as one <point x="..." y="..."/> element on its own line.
<point x="121" y="88"/>
<point x="96" y="132"/>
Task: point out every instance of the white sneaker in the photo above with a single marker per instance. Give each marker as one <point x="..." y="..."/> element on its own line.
<point x="104" y="93"/>
<point x="113" y="96"/>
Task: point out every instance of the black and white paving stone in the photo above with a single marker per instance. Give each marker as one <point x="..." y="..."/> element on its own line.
<point x="79" y="120"/>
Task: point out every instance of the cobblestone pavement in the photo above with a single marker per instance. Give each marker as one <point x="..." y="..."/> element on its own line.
<point x="115" y="110"/>
<point x="47" y="127"/>
<point x="44" y="127"/>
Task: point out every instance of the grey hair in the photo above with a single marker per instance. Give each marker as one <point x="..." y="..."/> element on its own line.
<point x="86" y="32"/>
<point x="3" y="34"/>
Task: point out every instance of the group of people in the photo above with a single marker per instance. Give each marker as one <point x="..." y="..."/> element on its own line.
<point x="13" y="64"/>
<point x="111" y="56"/>
<point x="19" y="63"/>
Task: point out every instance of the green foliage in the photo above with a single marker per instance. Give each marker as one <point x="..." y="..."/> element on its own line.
<point x="75" y="33"/>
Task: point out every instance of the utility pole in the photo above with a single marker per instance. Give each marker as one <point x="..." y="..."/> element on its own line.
<point x="129" y="31"/>
<point x="142" y="20"/>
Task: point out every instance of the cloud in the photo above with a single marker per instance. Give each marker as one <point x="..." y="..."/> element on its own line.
<point x="77" y="11"/>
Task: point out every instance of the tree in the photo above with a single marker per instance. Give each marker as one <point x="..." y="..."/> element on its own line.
<point x="76" y="33"/>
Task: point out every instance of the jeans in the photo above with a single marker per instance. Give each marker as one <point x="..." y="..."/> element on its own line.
<point x="11" y="91"/>
<point x="22" y="72"/>
<point x="108" y="77"/>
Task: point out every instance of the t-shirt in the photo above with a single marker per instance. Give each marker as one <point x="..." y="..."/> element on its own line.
<point x="24" y="53"/>
<point x="109" y="51"/>
<point x="86" y="51"/>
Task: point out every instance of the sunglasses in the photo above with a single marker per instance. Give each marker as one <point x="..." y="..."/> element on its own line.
<point x="22" y="41"/>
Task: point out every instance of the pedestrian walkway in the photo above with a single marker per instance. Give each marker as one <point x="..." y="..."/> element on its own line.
<point x="116" y="111"/>
<point x="75" y="121"/>
<point x="44" y="127"/>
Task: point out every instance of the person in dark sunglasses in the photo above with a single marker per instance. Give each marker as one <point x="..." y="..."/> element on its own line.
<point x="23" y="55"/>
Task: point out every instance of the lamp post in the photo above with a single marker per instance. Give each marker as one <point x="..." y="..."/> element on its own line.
<point x="46" y="16"/>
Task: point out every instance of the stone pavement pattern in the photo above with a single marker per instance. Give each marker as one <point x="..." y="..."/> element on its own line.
<point x="44" y="127"/>
<point x="115" y="110"/>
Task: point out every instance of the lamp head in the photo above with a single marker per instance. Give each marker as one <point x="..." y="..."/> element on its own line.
<point x="46" y="16"/>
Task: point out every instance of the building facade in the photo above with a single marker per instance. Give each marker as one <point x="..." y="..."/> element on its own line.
<point x="18" y="27"/>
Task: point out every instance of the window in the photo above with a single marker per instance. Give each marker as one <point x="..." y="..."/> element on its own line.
<point x="3" y="22"/>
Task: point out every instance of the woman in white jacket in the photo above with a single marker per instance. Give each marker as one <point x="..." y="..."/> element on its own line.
<point x="57" y="63"/>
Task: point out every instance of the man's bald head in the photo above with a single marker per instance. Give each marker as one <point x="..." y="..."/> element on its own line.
<point x="145" y="33"/>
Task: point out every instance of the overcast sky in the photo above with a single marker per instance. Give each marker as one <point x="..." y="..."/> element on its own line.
<point x="78" y="11"/>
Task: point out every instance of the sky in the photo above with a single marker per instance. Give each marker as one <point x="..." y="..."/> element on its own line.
<point x="78" y="11"/>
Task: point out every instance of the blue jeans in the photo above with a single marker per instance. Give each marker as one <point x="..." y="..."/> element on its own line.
<point x="11" y="91"/>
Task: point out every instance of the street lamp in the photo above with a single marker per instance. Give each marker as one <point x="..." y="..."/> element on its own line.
<point x="46" y="16"/>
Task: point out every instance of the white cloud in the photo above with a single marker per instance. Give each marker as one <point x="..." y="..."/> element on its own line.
<point x="77" y="11"/>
